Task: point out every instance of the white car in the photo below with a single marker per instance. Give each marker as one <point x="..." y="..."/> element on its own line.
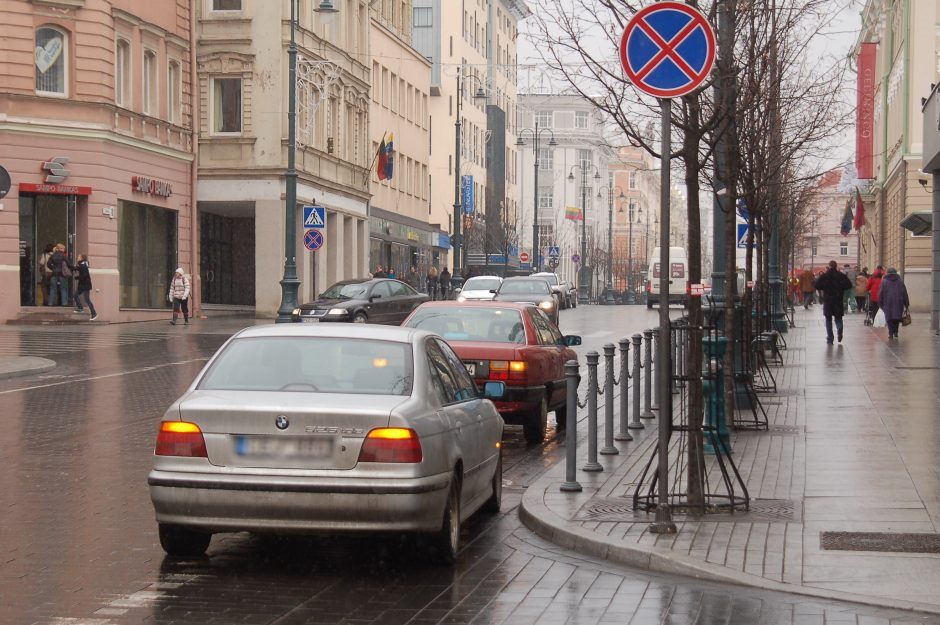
<point x="479" y="288"/>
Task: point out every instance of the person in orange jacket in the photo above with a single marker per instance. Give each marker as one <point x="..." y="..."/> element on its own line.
<point x="874" y="287"/>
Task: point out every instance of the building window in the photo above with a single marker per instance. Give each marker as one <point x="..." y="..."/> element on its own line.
<point x="546" y="197"/>
<point x="51" y="58"/>
<point x="813" y="249"/>
<point x="122" y="73"/>
<point x="226" y="5"/>
<point x="546" y="158"/>
<point x="173" y="88"/>
<point x="585" y="159"/>
<point x="544" y="119"/>
<point x="150" y="82"/>
<point x="581" y="120"/>
<point x="147" y="237"/>
<point x="227" y="105"/>
<point x="844" y="248"/>
<point x="633" y="175"/>
<point x="422" y="17"/>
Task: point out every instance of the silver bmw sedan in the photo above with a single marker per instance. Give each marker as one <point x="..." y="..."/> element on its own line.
<point x="332" y="428"/>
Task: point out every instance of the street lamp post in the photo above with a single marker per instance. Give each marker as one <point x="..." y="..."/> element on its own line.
<point x="457" y="240"/>
<point x="609" y="298"/>
<point x="536" y="134"/>
<point x="597" y="176"/>
<point x="289" y="282"/>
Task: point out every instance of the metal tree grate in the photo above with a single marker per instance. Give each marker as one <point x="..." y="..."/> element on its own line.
<point x="880" y="541"/>
<point x="760" y="511"/>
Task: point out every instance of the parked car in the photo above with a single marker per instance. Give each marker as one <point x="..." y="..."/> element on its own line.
<point x="309" y="429"/>
<point x="512" y="343"/>
<point x="529" y="290"/>
<point x="479" y="288"/>
<point x="561" y="294"/>
<point x="572" y="292"/>
<point x="678" y="278"/>
<point x="366" y="300"/>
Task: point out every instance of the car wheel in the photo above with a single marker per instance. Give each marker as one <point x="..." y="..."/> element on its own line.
<point x="495" y="501"/>
<point x="183" y="542"/>
<point x="445" y="542"/>
<point x="561" y="417"/>
<point x="534" y="427"/>
<point x="360" y="317"/>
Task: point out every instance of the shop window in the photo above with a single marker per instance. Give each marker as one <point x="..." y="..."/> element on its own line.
<point x="147" y="237"/>
<point x="150" y="82"/>
<point x="51" y="60"/>
<point x="122" y="73"/>
<point x="173" y="88"/>
<point x="227" y="105"/>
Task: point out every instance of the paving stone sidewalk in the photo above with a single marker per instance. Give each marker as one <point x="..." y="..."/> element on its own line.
<point x="853" y="446"/>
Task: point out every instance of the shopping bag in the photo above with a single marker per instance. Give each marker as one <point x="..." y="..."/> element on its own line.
<point x="906" y="317"/>
<point x="880" y="319"/>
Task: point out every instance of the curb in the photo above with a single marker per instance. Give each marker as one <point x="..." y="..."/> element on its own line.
<point x="536" y="516"/>
<point x="24" y="365"/>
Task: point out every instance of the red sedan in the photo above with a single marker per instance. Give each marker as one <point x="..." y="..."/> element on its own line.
<point x="514" y="343"/>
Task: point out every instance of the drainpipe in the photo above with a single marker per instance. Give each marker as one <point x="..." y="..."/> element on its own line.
<point x="195" y="297"/>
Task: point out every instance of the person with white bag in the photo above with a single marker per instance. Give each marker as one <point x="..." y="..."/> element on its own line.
<point x="894" y="302"/>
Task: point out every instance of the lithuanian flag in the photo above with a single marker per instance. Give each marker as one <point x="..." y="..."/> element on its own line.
<point x="573" y="213"/>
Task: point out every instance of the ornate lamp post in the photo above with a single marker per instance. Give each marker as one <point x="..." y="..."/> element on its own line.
<point x="536" y="135"/>
<point x="609" y="296"/>
<point x="457" y="242"/>
<point x="583" y="280"/>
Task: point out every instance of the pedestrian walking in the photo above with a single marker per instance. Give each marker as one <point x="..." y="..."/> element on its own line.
<point x="874" y="286"/>
<point x="861" y="291"/>
<point x="849" y="296"/>
<point x="833" y="284"/>
<point x="432" y="280"/>
<point x="412" y="279"/>
<point x="45" y="274"/>
<point x="379" y="272"/>
<point x="894" y="301"/>
<point x="84" y="287"/>
<point x="61" y="268"/>
<point x="806" y="287"/>
<point x="180" y="288"/>
<point x="444" y="282"/>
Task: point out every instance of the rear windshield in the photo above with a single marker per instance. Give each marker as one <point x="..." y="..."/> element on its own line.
<point x="525" y="287"/>
<point x="549" y="277"/>
<point x="312" y="365"/>
<point x="471" y="323"/>
<point x="481" y="284"/>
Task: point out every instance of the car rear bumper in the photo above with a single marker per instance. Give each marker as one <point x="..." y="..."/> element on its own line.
<point x="262" y="503"/>
<point x="518" y="400"/>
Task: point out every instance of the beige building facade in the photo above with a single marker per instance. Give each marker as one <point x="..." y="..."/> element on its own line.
<point x="96" y="131"/>
<point x="243" y="85"/>
<point x="635" y="175"/>
<point x="906" y="35"/>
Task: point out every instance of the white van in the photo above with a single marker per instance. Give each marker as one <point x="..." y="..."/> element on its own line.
<point x="678" y="278"/>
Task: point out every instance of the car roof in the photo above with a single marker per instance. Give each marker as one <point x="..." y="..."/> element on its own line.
<point x="521" y="278"/>
<point x="475" y="304"/>
<point x="486" y="276"/>
<point x="372" y="332"/>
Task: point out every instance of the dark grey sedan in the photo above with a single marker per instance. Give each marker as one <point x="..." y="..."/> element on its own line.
<point x="530" y="290"/>
<point x="366" y="300"/>
<point x="327" y="428"/>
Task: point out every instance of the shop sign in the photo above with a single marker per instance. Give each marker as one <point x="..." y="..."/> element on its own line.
<point x="413" y="236"/>
<point x="151" y="186"/>
<point x="54" y="189"/>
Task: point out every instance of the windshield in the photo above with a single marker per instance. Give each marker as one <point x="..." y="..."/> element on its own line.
<point x="525" y="287"/>
<point x="481" y="284"/>
<point x="312" y="365"/>
<point x="356" y="290"/>
<point x="548" y="277"/>
<point x="471" y="323"/>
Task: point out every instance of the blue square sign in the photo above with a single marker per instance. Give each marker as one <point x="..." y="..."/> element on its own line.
<point x="314" y="217"/>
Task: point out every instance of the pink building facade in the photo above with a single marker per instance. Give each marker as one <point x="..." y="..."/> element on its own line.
<point x="822" y="239"/>
<point x="96" y="132"/>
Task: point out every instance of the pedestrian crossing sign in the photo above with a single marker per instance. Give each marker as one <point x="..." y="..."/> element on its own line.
<point x="314" y="217"/>
<point x="553" y="251"/>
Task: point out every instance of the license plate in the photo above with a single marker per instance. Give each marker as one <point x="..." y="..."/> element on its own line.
<point x="285" y="447"/>
<point x="471" y="368"/>
<point x="311" y="320"/>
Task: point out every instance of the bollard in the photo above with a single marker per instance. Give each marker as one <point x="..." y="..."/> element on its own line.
<point x="654" y="345"/>
<point x="623" y="434"/>
<point x="608" y="449"/>
<point x="571" y="434"/>
<point x="592" y="465"/>
<point x="636" y="424"/>
<point x="648" y="378"/>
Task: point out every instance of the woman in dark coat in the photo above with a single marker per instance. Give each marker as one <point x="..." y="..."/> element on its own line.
<point x="84" y="287"/>
<point x="893" y="301"/>
<point x="833" y="284"/>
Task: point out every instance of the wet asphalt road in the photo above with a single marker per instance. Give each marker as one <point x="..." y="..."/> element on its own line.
<point x="78" y="543"/>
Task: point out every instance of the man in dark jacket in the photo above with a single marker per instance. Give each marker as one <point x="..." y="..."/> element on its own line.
<point x="833" y="284"/>
<point x="61" y="268"/>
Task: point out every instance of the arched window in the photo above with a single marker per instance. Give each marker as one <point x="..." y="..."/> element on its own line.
<point x="51" y="60"/>
<point x="122" y="73"/>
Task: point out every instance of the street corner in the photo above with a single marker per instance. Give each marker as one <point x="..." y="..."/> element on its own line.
<point x="19" y="366"/>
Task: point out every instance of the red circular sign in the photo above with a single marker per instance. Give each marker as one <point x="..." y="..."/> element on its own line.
<point x="667" y="49"/>
<point x="524" y="257"/>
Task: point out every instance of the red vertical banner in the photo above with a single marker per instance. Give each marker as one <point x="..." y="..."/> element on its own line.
<point x="865" y="113"/>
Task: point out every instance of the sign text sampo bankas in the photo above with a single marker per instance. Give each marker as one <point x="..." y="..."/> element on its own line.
<point x="142" y="184"/>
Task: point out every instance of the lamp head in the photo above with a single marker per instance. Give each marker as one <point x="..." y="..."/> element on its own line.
<point x="480" y="94"/>
<point x="570" y="176"/>
<point x="552" y="143"/>
<point x="597" y="175"/>
<point x="326" y="6"/>
<point x="519" y="142"/>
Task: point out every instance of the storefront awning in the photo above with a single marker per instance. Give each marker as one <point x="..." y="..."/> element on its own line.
<point x="920" y="223"/>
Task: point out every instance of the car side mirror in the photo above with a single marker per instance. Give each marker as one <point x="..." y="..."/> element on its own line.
<point x="571" y="340"/>
<point x="494" y="390"/>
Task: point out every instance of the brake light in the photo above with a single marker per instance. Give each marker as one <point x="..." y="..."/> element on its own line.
<point x="180" y="438"/>
<point x="508" y="369"/>
<point x="649" y="286"/>
<point x="391" y="445"/>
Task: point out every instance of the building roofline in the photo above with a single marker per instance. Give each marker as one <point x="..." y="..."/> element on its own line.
<point x="518" y="8"/>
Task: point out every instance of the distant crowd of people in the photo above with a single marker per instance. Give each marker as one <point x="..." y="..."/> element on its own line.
<point x="437" y="284"/>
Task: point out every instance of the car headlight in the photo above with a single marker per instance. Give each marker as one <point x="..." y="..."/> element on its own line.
<point x="461" y="298"/>
<point x="337" y="311"/>
<point x="296" y="312"/>
<point x="547" y="305"/>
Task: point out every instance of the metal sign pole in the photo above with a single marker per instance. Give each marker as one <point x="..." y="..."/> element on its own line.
<point x="663" y="523"/>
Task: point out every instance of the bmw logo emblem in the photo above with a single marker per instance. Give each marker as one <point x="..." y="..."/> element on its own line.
<point x="281" y="422"/>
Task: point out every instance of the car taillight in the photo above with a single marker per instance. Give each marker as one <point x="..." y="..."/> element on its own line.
<point x="508" y="370"/>
<point x="180" y="438"/>
<point x="391" y="445"/>
<point x="649" y="286"/>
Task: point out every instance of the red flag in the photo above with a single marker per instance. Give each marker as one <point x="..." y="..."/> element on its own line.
<point x="383" y="161"/>
<point x="859" y="211"/>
